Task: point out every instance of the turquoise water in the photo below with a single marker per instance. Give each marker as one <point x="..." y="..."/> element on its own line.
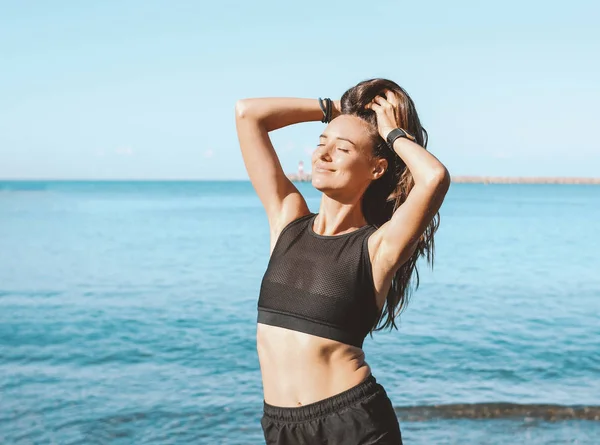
<point x="127" y="315"/>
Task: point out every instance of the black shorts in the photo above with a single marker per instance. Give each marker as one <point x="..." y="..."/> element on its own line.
<point x="361" y="415"/>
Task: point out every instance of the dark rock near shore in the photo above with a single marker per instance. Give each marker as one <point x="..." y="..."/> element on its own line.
<point x="498" y="411"/>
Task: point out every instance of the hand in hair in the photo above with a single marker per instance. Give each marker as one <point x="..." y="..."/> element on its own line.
<point x="386" y="110"/>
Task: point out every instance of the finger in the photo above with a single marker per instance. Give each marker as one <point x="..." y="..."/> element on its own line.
<point x="372" y="105"/>
<point x="375" y="107"/>
<point x="379" y="100"/>
<point x="384" y="104"/>
<point x="391" y="97"/>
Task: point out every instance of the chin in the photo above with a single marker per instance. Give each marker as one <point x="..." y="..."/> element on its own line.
<point x="319" y="183"/>
<point x="323" y="185"/>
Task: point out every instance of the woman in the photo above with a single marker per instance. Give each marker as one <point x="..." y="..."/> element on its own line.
<point x="337" y="275"/>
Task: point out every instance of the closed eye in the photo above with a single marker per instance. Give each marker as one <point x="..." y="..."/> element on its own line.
<point x="342" y="149"/>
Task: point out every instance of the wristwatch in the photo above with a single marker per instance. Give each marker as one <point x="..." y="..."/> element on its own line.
<point x="398" y="133"/>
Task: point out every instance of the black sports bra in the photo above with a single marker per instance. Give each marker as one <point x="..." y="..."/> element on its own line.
<point x="320" y="285"/>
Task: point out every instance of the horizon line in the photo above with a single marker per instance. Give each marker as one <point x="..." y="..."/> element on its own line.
<point x="307" y="177"/>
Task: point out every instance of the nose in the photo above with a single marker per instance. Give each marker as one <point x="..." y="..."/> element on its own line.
<point x="323" y="152"/>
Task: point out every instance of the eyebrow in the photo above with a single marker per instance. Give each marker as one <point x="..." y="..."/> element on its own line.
<point x="341" y="139"/>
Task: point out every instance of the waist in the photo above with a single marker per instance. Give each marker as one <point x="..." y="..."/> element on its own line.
<point x="299" y="368"/>
<point x="365" y="389"/>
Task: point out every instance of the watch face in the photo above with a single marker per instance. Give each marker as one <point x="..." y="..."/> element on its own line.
<point x="399" y="132"/>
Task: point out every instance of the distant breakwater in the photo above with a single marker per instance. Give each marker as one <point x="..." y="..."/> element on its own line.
<point x="498" y="411"/>
<point x="492" y="179"/>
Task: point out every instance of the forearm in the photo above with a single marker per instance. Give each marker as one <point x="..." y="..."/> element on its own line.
<point x="277" y="112"/>
<point x="424" y="167"/>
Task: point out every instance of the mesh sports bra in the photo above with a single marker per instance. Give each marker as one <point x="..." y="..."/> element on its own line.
<point x="320" y="285"/>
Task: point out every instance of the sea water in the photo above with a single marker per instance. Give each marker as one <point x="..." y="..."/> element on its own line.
<point x="128" y="316"/>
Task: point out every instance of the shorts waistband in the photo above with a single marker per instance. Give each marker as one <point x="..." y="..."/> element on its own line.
<point x="367" y="387"/>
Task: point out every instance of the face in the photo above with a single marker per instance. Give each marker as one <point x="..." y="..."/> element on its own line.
<point x="342" y="163"/>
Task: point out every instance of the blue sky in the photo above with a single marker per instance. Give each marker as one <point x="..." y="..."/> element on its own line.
<point x="146" y="89"/>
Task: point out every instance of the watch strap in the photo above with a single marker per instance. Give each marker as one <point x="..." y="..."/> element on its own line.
<point x="398" y="133"/>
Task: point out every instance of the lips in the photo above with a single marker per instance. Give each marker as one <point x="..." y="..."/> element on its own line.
<point x="321" y="168"/>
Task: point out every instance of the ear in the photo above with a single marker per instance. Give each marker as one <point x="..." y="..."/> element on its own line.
<point x="379" y="169"/>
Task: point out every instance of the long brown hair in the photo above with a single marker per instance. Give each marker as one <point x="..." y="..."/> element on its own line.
<point x="386" y="194"/>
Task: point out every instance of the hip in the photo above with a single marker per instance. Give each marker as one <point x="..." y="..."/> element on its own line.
<point x="362" y="414"/>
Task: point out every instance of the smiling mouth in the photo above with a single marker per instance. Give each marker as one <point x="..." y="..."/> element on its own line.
<point x="321" y="169"/>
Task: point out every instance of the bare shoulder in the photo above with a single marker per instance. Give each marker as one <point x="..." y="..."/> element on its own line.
<point x="292" y="208"/>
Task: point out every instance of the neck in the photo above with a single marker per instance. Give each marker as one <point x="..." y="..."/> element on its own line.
<point x="337" y="218"/>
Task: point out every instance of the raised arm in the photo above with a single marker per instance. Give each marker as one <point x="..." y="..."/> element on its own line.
<point x="255" y="118"/>
<point x="396" y="240"/>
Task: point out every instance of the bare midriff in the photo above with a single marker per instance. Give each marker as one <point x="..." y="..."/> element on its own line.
<point x="298" y="369"/>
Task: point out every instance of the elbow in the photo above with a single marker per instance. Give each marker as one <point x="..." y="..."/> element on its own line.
<point x="439" y="178"/>
<point x="241" y="109"/>
<point x="245" y="109"/>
